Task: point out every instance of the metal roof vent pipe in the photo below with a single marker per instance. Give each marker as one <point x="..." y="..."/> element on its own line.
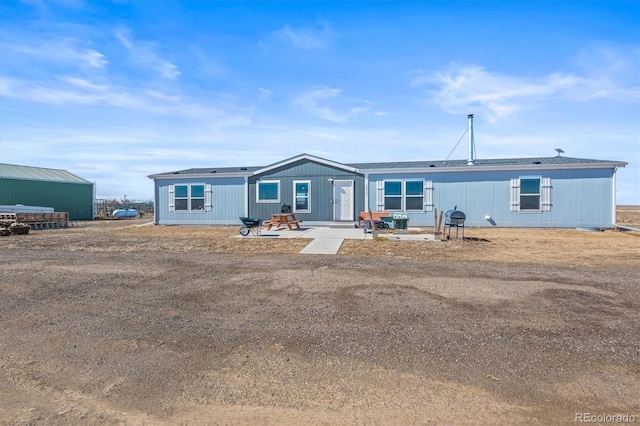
<point x="472" y="143"/>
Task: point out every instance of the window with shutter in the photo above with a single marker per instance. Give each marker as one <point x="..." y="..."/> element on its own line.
<point x="404" y="195"/>
<point x="189" y="198"/>
<point x="530" y="194"/>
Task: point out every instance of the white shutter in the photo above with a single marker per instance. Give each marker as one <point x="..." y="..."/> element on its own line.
<point x="379" y="195"/>
<point x="207" y="197"/>
<point x="545" y="202"/>
<point x="172" y="198"/>
<point x="428" y="195"/>
<point x="515" y="195"/>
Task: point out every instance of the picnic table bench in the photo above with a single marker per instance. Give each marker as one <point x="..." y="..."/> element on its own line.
<point x="282" y="219"/>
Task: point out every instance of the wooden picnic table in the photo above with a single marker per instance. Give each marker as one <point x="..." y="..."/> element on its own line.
<point x="282" y="219"/>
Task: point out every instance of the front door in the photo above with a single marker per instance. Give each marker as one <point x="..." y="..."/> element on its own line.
<point x="342" y="200"/>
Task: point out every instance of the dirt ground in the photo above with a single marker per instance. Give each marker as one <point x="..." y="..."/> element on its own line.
<point x="111" y="323"/>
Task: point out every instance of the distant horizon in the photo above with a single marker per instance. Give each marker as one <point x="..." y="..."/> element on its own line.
<point x="114" y="91"/>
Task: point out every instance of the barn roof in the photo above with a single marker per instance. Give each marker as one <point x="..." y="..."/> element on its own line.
<point x="13" y="171"/>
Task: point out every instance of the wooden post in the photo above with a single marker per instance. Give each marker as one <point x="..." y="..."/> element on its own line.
<point x="372" y="223"/>
<point x="440" y="222"/>
<point x="435" y="220"/>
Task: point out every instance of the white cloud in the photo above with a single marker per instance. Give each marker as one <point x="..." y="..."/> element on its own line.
<point x="76" y="91"/>
<point x="206" y="65"/>
<point x="61" y="51"/>
<point x="264" y="93"/>
<point x="306" y="39"/>
<point x="320" y="101"/>
<point x="143" y="53"/>
<point x="463" y="88"/>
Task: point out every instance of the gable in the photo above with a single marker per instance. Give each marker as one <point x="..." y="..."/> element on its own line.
<point x="305" y="167"/>
<point x="301" y="159"/>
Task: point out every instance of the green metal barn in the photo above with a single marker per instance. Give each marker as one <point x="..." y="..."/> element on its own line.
<point x="37" y="186"/>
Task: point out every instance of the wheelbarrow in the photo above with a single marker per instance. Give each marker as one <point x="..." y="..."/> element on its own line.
<point x="250" y="225"/>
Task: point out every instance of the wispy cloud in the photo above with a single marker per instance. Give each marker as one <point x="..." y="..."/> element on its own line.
<point x="305" y="38"/>
<point x="144" y="53"/>
<point x="77" y="91"/>
<point x="61" y="51"/>
<point x="206" y="65"/>
<point x="320" y="102"/>
<point x="264" y="94"/>
<point x="463" y="87"/>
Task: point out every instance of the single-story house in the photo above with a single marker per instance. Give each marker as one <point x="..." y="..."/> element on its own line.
<point x="520" y="192"/>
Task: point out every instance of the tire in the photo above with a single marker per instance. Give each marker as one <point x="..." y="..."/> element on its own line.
<point x="244" y="231"/>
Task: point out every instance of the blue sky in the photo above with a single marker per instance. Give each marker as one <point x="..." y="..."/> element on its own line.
<point x="116" y="90"/>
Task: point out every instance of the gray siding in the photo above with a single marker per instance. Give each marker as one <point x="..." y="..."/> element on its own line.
<point x="579" y="197"/>
<point x="321" y="190"/>
<point x="227" y="196"/>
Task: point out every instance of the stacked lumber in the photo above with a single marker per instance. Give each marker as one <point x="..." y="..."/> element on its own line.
<point x="9" y="225"/>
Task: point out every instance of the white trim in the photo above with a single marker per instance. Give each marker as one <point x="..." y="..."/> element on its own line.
<point x="614" y="213"/>
<point x="246" y="196"/>
<point x="198" y="175"/>
<point x="366" y="191"/>
<point x="258" y="182"/>
<point x="295" y="196"/>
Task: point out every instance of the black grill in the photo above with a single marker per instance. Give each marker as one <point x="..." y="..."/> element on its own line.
<point x="454" y="218"/>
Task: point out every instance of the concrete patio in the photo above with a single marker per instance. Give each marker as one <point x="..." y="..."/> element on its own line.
<point x="327" y="240"/>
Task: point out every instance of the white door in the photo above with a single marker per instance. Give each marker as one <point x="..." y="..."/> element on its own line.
<point x="342" y="200"/>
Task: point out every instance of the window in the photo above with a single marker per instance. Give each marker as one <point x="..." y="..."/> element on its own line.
<point x="414" y="199"/>
<point x="393" y="195"/>
<point x="268" y="191"/>
<point x="404" y="195"/>
<point x="182" y="197"/>
<point x="190" y="198"/>
<point x="302" y="194"/>
<point x="531" y="194"/>
<point x="197" y="197"/>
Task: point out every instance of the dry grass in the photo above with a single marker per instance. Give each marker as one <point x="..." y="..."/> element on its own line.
<point x="527" y="246"/>
<point x="628" y="215"/>
<point x="557" y="247"/>
<point x="553" y="247"/>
